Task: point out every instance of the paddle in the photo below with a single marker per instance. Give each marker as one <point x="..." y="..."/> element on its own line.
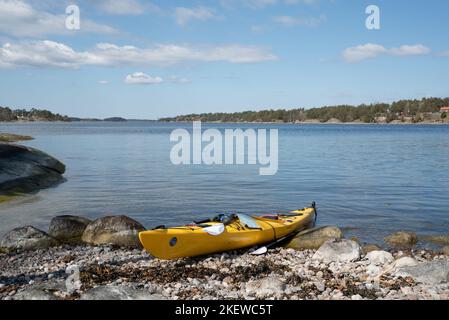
<point x="264" y="249"/>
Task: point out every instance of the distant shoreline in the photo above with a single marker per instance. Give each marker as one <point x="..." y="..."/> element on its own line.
<point x="317" y="122"/>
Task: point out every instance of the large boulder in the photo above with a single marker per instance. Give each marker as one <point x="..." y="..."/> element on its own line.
<point x="68" y="229"/>
<point x="26" y="170"/>
<point x="338" y="251"/>
<point x="117" y="230"/>
<point x="27" y="238"/>
<point x="314" y="238"/>
<point x="430" y="272"/>
<point x="114" y="292"/>
<point x="401" y="239"/>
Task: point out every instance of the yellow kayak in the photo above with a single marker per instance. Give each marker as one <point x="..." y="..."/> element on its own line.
<point x="224" y="233"/>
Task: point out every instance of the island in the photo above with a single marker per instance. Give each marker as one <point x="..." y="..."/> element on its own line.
<point x="426" y="110"/>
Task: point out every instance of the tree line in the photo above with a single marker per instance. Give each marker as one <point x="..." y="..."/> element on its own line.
<point x="368" y="113"/>
<point x="8" y="114"/>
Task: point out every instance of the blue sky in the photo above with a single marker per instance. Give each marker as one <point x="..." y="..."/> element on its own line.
<point x="141" y="59"/>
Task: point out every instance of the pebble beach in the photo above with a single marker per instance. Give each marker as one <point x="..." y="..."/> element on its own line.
<point x="109" y="272"/>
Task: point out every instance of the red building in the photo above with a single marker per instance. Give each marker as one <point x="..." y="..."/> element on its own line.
<point x="444" y="109"/>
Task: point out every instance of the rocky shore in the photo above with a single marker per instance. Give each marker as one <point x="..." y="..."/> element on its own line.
<point x="101" y="259"/>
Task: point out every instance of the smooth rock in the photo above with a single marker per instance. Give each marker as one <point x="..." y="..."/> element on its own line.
<point x="314" y="238"/>
<point x="68" y="229"/>
<point x="401" y="239"/>
<point x="268" y="286"/>
<point x="26" y="170"/>
<point x="27" y="238"/>
<point x="111" y="292"/>
<point x="379" y="257"/>
<point x="338" y="251"/>
<point x="405" y="262"/>
<point x="430" y="272"/>
<point x="117" y="230"/>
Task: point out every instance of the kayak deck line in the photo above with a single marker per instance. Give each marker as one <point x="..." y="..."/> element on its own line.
<point x="225" y="233"/>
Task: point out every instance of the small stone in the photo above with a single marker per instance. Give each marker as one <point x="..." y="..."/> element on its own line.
<point x="356" y="297"/>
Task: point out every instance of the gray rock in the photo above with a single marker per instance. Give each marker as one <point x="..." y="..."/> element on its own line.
<point x="338" y="251"/>
<point x="314" y="238"/>
<point x="117" y="230"/>
<point x="68" y="229"/>
<point x="264" y="287"/>
<point x="379" y="257"/>
<point x="430" y="272"/>
<point x="27" y="238"/>
<point x="402" y="239"/>
<point x="26" y="170"/>
<point x="112" y="292"/>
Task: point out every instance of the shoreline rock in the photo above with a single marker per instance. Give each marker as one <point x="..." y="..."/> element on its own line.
<point x="68" y="229"/>
<point x="402" y="239"/>
<point x="26" y="238"/>
<point x="314" y="238"/>
<point x="27" y="170"/>
<point x="118" y="230"/>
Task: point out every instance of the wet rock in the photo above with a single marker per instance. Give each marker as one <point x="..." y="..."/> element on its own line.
<point x="68" y="229"/>
<point x="269" y="286"/>
<point x="338" y="251"/>
<point x="441" y="239"/>
<point x="314" y="238"/>
<point x="112" y="292"/>
<point x="27" y="238"/>
<point x="430" y="272"/>
<point x="380" y="257"/>
<point x="117" y="230"/>
<point x="26" y="170"/>
<point x="401" y="239"/>
<point x="367" y="248"/>
<point x="9" y="137"/>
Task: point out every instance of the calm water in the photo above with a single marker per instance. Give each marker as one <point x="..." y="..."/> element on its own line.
<point x="371" y="180"/>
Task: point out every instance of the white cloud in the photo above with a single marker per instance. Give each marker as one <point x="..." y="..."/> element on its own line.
<point x="363" y="52"/>
<point x="290" y="21"/>
<point x="126" y="7"/>
<point x="103" y="82"/>
<point x="19" y="18"/>
<point x="142" y="78"/>
<point x="54" y="54"/>
<point x="370" y="51"/>
<point x="407" y="50"/>
<point x="185" y="15"/>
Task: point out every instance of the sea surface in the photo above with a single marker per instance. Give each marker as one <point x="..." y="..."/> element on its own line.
<point x="368" y="179"/>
